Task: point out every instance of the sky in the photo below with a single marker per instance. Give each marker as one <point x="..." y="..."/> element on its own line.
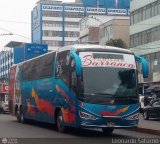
<point x="15" y="17"/>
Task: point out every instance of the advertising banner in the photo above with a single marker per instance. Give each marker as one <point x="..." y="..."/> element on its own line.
<point x="4" y="88"/>
<point x="98" y="59"/>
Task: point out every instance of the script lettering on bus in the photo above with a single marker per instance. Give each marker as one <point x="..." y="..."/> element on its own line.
<point x="89" y="61"/>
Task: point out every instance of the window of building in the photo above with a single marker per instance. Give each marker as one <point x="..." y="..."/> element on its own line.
<point x="146" y="12"/>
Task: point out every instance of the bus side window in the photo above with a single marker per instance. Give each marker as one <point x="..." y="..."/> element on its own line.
<point x="73" y="81"/>
<point x="63" y="68"/>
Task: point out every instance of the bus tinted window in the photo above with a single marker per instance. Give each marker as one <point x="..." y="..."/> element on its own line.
<point x="63" y="67"/>
<point x="38" y="68"/>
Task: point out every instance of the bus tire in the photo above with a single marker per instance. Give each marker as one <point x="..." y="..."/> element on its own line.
<point x="107" y="131"/>
<point x="60" y="122"/>
<point x="21" y="116"/>
<point x="3" y="112"/>
<point x="18" y="115"/>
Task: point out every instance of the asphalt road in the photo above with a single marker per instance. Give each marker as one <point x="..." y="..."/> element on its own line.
<point x="38" y="133"/>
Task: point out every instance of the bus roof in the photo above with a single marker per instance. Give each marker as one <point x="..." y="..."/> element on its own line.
<point x="93" y="46"/>
<point x="83" y="46"/>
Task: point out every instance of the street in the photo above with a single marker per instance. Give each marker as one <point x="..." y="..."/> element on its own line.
<point x="40" y="133"/>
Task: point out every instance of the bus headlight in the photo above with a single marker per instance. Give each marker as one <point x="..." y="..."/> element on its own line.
<point x="86" y="115"/>
<point x="133" y="117"/>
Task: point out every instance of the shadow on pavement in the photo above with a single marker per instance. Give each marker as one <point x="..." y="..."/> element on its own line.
<point x="86" y="133"/>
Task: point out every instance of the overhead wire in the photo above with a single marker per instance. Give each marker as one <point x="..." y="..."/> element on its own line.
<point x="22" y="22"/>
<point x="15" y="33"/>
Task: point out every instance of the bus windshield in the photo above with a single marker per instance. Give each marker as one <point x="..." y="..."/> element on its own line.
<point x="109" y="81"/>
<point x="98" y="84"/>
<point x="102" y="83"/>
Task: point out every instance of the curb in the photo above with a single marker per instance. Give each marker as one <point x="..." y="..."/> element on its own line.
<point x="146" y="130"/>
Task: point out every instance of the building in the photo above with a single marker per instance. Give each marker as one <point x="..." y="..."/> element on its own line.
<point x="6" y="60"/>
<point x="89" y="28"/>
<point x="116" y="28"/>
<point x="99" y="29"/>
<point x="57" y="24"/>
<point x="145" y="35"/>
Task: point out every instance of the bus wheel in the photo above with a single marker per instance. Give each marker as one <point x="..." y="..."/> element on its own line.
<point x="21" y="116"/>
<point x="60" y="122"/>
<point x="107" y="131"/>
<point x="18" y="115"/>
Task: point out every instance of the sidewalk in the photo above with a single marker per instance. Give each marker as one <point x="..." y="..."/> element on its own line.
<point x="151" y="126"/>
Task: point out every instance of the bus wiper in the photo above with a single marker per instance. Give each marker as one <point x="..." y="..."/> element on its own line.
<point x="128" y="97"/>
<point x="88" y="93"/>
<point x="85" y="98"/>
<point x="108" y="94"/>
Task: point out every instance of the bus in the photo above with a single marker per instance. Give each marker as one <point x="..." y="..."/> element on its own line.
<point x="80" y="86"/>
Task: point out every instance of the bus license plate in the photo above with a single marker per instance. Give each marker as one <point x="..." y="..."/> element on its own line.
<point x="110" y="124"/>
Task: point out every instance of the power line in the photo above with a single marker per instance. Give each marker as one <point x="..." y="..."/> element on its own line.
<point x="4" y="34"/>
<point x="1" y="20"/>
<point x="15" y="33"/>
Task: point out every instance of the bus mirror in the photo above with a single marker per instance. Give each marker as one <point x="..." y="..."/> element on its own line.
<point x="145" y="67"/>
<point x="77" y="62"/>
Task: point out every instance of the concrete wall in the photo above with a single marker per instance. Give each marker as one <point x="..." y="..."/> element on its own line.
<point x="117" y="29"/>
<point x="121" y="30"/>
<point x="94" y="35"/>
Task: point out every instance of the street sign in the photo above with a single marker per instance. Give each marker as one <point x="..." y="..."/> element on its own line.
<point x="36" y="49"/>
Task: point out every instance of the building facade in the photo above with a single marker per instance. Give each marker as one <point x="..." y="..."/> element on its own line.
<point x="6" y="60"/>
<point x="89" y="28"/>
<point x="99" y="29"/>
<point x="57" y="24"/>
<point x="116" y="28"/>
<point x="145" y="35"/>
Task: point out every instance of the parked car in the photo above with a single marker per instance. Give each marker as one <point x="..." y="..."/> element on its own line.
<point x="141" y="101"/>
<point x="4" y="107"/>
<point x="152" y="110"/>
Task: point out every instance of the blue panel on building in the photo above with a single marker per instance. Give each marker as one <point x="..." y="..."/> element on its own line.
<point x="89" y="2"/>
<point x="29" y="51"/>
<point x="120" y="4"/>
<point x="18" y="55"/>
<point x="36" y="25"/>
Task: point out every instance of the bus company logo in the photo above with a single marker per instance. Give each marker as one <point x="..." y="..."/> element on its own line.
<point x="117" y="11"/>
<point x="89" y="61"/>
<point x="4" y="140"/>
<point x="52" y="8"/>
